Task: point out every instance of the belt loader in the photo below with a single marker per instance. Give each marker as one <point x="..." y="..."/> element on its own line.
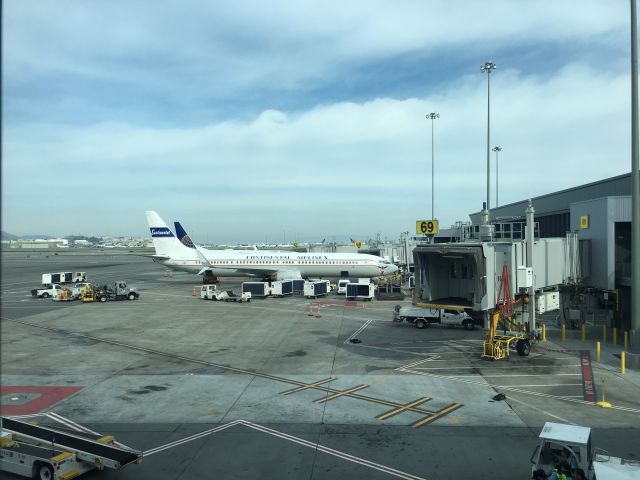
<point x="49" y="453"/>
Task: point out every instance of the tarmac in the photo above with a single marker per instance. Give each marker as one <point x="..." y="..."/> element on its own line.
<point x="264" y="390"/>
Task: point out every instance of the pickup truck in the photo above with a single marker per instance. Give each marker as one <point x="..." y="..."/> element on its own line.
<point x="423" y="317"/>
<point x="47" y="292"/>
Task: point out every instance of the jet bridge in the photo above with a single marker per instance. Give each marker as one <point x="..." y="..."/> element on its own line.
<point x="467" y="275"/>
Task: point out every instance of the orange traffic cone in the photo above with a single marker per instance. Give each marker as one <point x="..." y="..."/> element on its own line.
<point x="318" y="315"/>
<point x="310" y="310"/>
<point x="193" y="294"/>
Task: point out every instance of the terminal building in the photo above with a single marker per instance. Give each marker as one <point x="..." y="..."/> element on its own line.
<point x="582" y="250"/>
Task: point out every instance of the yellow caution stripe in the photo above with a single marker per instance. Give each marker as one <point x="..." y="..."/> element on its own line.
<point x="69" y="475"/>
<point x="105" y="439"/>
<point x="61" y="457"/>
<point x="401" y="409"/>
<point x="340" y="394"/>
<point x="437" y="415"/>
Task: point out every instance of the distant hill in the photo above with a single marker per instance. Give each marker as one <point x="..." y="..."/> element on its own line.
<point x="10" y="236"/>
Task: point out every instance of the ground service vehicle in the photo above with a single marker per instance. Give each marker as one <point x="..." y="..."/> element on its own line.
<point x="316" y="288"/>
<point x="119" y="291"/>
<point x="572" y="443"/>
<point x="360" y="291"/>
<point x="422" y="317"/>
<point x="234" y="297"/>
<point x="208" y="292"/>
<point x="46" y="292"/>
<point x="342" y="286"/>
<point x="48" y="453"/>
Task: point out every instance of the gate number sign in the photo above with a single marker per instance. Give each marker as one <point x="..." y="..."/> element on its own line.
<point x="426" y="227"/>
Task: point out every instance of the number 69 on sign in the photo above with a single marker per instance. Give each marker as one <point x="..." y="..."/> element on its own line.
<point x="426" y="227"/>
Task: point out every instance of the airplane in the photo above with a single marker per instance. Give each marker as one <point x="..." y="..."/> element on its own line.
<point x="180" y="253"/>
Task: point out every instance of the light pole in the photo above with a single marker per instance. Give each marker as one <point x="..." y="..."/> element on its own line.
<point x="487" y="67"/>
<point x="497" y="149"/>
<point x="432" y="116"/>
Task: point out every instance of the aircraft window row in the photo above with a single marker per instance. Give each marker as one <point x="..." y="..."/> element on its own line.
<point x="276" y="262"/>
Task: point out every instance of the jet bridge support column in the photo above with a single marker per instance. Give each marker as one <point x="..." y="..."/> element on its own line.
<point x="532" y="289"/>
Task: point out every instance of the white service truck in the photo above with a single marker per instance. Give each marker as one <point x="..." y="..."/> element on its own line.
<point x="423" y="317"/>
<point x="572" y="444"/>
<point x="47" y="292"/>
<point x="208" y="292"/>
<point x="342" y="286"/>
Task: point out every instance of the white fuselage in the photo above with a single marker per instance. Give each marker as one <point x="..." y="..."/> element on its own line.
<point x="224" y="263"/>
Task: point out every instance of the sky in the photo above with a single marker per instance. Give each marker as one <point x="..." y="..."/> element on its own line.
<point x="297" y="121"/>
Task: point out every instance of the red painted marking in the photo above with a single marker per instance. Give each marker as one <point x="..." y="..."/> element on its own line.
<point x="348" y="304"/>
<point x="588" y="388"/>
<point x="48" y="397"/>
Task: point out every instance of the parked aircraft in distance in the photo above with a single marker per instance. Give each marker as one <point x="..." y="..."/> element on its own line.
<point x="180" y="253"/>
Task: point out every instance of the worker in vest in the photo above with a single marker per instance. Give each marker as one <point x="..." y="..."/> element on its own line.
<point x="561" y="472"/>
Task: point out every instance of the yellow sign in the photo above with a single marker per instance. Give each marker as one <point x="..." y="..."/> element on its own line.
<point x="584" y="221"/>
<point x="426" y="227"/>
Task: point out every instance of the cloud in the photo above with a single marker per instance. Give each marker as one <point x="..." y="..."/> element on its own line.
<point x="342" y="168"/>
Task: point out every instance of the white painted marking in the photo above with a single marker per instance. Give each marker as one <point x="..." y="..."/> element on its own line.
<point x="514" y="389"/>
<point x="564" y="420"/>
<point x="316" y="446"/>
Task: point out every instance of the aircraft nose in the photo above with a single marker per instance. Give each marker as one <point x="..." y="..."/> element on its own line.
<point x="392" y="269"/>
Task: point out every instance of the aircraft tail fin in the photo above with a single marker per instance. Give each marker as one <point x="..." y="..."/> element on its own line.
<point x="182" y="236"/>
<point x="164" y="241"/>
<point x="186" y="240"/>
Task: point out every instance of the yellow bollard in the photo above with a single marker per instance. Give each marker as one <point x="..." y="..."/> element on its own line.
<point x="603" y="403"/>
<point x="564" y="332"/>
<point x="615" y="336"/>
<point x="604" y="333"/>
<point x="584" y="332"/>
<point x="598" y="352"/>
<point x="626" y="340"/>
<point x="621" y="362"/>
<point x="544" y="332"/>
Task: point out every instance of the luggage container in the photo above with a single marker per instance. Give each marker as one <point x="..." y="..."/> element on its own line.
<point x="297" y="287"/>
<point x="316" y="288"/>
<point x="256" y="289"/>
<point x="360" y="291"/>
<point x="282" y="288"/>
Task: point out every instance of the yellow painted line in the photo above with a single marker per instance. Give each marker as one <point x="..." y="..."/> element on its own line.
<point x="401" y="409"/>
<point x="60" y="457"/>
<point x="105" y="439"/>
<point x="438" y="414"/>
<point x="221" y="367"/>
<point x="340" y="394"/>
<point x="310" y="385"/>
<point x="70" y="474"/>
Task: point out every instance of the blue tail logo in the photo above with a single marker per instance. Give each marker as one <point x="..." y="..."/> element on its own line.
<point x="161" y="232"/>
<point x="182" y="236"/>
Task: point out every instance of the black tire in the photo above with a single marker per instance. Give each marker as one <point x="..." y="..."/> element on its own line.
<point x="131" y="296"/>
<point x="523" y="347"/>
<point x="103" y="298"/>
<point x="420" y="323"/>
<point x="469" y="325"/>
<point x="45" y="295"/>
<point x="43" y="471"/>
